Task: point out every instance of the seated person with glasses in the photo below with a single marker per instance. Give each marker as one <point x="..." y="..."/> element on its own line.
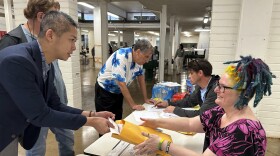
<point x="232" y="125"/>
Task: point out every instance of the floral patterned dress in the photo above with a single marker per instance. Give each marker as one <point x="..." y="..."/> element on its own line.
<point x="242" y="137"/>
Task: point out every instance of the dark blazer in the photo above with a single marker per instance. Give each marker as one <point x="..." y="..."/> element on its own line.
<point x="13" y="37"/>
<point x="26" y="99"/>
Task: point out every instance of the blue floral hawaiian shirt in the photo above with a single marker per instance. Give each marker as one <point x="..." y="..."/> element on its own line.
<point x="118" y="67"/>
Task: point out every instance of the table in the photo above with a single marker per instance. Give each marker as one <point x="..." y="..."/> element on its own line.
<point x="106" y="143"/>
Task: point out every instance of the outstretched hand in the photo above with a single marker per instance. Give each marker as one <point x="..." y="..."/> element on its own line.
<point x="105" y="114"/>
<point x="169" y="109"/>
<point x="149" y="123"/>
<point x="162" y="104"/>
<point x="149" y="146"/>
<point x="101" y="125"/>
<point x="138" y="107"/>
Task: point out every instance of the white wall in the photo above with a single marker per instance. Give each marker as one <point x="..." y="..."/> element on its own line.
<point x="203" y="42"/>
<point x="224" y="31"/>
<point x="191" y="39"/>
<point x="115" y="38"/>
<point x="269" y="109"/>
<point x="2" y="24"/>
<point x="229" y="38"/>
<point x="71" y="67"/>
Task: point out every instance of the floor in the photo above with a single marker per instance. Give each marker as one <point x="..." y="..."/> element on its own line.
<point x="87" y="135"/>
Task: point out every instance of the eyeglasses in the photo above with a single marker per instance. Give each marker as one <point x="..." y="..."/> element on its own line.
<point x="222" y="88"/>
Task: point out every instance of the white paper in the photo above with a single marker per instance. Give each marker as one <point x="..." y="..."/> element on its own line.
<point x="117" y="127"/>
<point x="170" y="84"/>
<point x="168" y="115"/>
<point x="141" y="114"/>
<point x="119" y="149"/>
<point x="153" y="108"/>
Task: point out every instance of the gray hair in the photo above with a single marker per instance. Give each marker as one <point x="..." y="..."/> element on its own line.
<point x="143" y="45"/>
<point x="58" y="21"/>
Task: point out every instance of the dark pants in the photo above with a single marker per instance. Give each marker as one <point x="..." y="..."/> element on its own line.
<point x="107" y="101"/>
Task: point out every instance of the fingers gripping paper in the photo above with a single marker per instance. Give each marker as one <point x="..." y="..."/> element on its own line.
<point x="131" y="133"/>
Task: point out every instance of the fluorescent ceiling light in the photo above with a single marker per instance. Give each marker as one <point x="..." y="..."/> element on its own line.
<point x="111" y="35"/>
<point x="186" y="33"/>
<point x="118" y="32"/>
<point x="136" y="35"/>
<point x="85" y="31"/>
<point x="205" y="19"/>
<point x="113" y="15"/>
<point x="86" y="5"/>
<point x="154" y="33"/>
<point x="200" y="30"/>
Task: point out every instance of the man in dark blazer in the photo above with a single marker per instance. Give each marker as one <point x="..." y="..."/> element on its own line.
<point x="27" y="93"/>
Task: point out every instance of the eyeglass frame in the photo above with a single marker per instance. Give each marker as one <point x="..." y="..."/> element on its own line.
<point x="217" y="84"/>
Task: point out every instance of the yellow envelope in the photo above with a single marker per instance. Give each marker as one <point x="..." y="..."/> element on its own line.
<point x="131" y="133"/>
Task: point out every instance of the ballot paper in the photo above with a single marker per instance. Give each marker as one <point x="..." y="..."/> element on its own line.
<point x="153" y="108"/>
<point x="120" y="148"/>
<point x="117" y="127"/>
<point x="141" y="114"/>
<point x="168" y="115"/>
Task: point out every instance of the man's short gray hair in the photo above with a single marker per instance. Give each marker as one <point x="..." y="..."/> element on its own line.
<point x="143" y="45"/>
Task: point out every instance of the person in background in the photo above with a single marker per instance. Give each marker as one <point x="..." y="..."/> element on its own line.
<point x="199" y="75"/>
<point x="93" y="56"/>
<point x="180" y="58"/>
<point x="233" y="127"/>
<point x="110" y="49"/>
<point x="64" y="137"/>
<point x="32" y="102"/>
<point x="156" y="53"/>
<point x="121" y="68"/>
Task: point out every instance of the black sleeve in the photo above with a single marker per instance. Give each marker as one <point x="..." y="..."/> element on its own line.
<point x="189" y="101"/>
<point x="206" y="105"/>
<point x="185" y="113"/>
<point x="7" y="41"/>
<point x="29" y="99"/>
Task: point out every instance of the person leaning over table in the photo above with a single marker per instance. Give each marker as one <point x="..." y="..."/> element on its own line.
<point x="27" y="92"/>
<point x="121" y="68"/>
<point x="233" y="127"/>
<point x="28" y="32"/>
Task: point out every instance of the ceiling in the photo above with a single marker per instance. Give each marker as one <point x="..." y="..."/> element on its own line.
<point x="189" y="13"/>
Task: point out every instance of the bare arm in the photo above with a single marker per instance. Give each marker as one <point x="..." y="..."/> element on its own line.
<point x="177" y="124"/>
<point x="181" y="151"/>
<point x="151" y="145"/>
<point x="128" y="97"/>
<point x="141" y="81"/>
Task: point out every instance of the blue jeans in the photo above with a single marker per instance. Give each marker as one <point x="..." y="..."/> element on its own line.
<point x="64" y="137"/>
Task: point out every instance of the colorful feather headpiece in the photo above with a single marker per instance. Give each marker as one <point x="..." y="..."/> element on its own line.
<point x="252" y="76"/>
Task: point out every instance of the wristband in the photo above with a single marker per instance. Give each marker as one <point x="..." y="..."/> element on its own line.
<point x="167" y="147"/>
<point x="160" y="144"/>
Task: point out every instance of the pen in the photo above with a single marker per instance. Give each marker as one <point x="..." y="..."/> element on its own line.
<point x="155" y="105"/>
